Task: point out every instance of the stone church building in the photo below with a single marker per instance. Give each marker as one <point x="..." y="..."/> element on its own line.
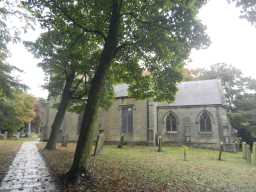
<point x="197" y="117"/>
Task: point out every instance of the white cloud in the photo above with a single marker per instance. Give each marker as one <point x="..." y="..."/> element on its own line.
<point x="32" y="75"/>
<point x="233" y="39"/>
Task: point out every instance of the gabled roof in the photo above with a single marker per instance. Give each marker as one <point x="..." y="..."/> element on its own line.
<point x="203" y="92"/>
<point x="121" y="90"/>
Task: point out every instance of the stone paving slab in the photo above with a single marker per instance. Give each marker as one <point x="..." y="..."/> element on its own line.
<point x="28" y="172"/>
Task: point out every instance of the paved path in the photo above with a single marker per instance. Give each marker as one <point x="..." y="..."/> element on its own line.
<point x="28" y="172"/>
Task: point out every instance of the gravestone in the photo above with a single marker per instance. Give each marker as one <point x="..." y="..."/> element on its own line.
<point x="64" y="142"/>
<point x="220" y="151"/>
<point x="185" y="149"/>
<point x="254" y="153"/>
<point x="122" y="142"/>
<point x="99" y="143"/>
<point x="244" y="150"/>
<point x="5" y="134"/>
<point x="248" y="153"/>
<point x="159" y="143"/>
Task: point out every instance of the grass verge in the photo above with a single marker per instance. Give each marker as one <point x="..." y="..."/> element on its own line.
<point x="8" y="149"/>
<point x="143" y="169"/>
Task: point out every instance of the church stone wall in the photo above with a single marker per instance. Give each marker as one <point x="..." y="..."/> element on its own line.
<point x="188" y="125"/>
<point x="69" y="127"/>
<point x="110" y="120"/>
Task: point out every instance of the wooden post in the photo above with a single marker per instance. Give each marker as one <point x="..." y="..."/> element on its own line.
<point x="159" y="143"/>
<point x="220" y="151"/>
<point x="254" y="153"/>
<point x="244" y="150"/>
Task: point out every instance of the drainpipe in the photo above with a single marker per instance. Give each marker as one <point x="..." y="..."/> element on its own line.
<point x="147" y="108"/>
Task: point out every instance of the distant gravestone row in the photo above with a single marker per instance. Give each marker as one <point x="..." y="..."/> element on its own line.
<point x="248" y="154"/>
<point x="3" y="135"/>
<point x="13" y="136"/>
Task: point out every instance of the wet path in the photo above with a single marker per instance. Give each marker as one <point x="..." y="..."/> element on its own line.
<point x="28" y="172"/>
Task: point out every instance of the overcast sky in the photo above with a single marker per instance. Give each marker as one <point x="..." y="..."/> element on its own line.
<point x="233" y="42"/>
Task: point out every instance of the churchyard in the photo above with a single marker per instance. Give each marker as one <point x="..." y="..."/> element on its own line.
<point x="142" y="168"/>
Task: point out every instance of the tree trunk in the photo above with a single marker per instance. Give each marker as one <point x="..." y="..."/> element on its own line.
<point x="65" y="99"/>
<point x="84" y="144"/>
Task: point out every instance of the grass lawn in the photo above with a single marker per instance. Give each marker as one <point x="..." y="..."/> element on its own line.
<point x="8" y="149"/>
<point x="143" y="169"/>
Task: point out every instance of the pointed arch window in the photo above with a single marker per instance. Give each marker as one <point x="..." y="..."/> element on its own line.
<point x="171" y="123"/>
<point x="205" y="122"/>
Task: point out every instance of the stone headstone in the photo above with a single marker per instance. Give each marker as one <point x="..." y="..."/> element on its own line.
<point x="99" y="144"/>
<point x="220" y="151"/>
<point x="254" y="153"/>
<point x="159" y="143"/>
<point x="5" y="134"/>
<point x="64" y="142"/>
<point x="121" y="143"/>
<point x="185" y="149"/>
<point x="248" y="153"/>
<point x="244" y="150"/>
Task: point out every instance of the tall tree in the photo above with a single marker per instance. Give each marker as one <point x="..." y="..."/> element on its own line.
<point x="16" y="111"/>
<point x="248" y="9"/>
<point x="69" y="62"/>
<point x="133" y="36"/>
<point x="62" y="54"/>
<point x="10" y="33"/>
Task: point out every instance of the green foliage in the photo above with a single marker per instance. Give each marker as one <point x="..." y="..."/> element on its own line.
<point x="126" y="38"/>
<point x="8" y="120"/>
<point x="7" y="34"/>
<point x="248" y="9"/>
<point x="244" y="115"/>
<point x="16" y="111"/>
<point x="153" y="36"/>
<point x="24" y="107"/>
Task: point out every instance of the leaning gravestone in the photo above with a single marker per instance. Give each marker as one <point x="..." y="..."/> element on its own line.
<point x="254" y="153"/>
<point x="99" y="143"/>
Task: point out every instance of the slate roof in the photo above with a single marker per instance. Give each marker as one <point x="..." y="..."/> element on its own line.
<point x="121" y="90"/>
<point x="203" y="92"/>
